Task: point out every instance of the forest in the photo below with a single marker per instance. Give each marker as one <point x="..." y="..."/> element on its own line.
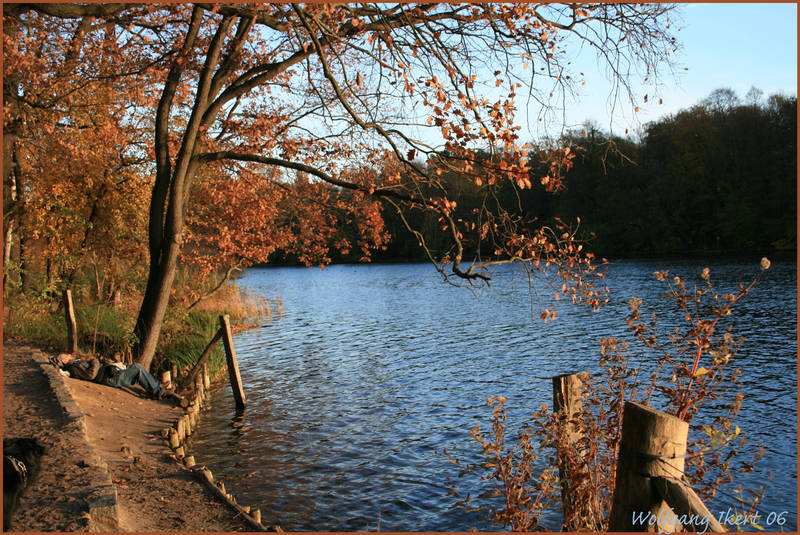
<point x="717" y="178"/>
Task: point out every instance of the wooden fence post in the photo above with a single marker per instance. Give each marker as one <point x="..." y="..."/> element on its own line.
<point x="199" y="390"/>
<point x="166" y="379"/>
<point x="72" y="327"/>
<point x="233" y="365"/>
<point x="206" y="376"/>
<point x="567" y="407"/>
<point x="653" y="445"/>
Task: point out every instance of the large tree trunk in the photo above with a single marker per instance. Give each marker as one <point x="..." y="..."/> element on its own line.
<point x="167" y="205"/>
<point x="166" y="238"/>
<point x="10" y="171"/>
<point x="171" y="188"/>
<point x="7" y="239"/>
<point x="9" y="218"/>
<point x="14" y="212"/>
<point x="154" y="305"/>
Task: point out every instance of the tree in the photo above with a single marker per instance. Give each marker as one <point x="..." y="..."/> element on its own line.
<point x="724" y="173"/>
<point x="312" y="88"/>
<point x="234" y="222"/>
<point x="72" y="157"/>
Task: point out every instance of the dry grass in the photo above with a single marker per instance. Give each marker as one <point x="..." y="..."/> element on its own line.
<point x="241" y="306"/>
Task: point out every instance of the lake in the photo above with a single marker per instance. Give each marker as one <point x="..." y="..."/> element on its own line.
<point x="371" y="370"/>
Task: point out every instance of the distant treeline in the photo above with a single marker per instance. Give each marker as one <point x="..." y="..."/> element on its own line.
<point x="717" y="177"/>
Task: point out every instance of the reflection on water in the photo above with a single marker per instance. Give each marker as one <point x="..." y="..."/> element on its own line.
<point x="372" y="370"/>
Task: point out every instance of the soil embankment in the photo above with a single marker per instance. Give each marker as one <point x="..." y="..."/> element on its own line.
<point x="112" y="448"/>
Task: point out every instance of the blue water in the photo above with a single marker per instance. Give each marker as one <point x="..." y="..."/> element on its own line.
<point x="371" y="371"/>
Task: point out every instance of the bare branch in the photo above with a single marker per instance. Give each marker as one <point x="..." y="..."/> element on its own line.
<point x="67" y="11"/>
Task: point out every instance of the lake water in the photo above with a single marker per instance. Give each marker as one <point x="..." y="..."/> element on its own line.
<point x="372" y="370"/>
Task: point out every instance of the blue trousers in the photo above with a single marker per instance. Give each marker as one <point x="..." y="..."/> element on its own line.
<point x="135" y="374"/>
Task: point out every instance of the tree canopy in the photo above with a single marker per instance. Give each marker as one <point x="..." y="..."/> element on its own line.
<point x="285" y="116"/>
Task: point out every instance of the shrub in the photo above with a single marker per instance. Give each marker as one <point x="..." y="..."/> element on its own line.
<point x="693" y="367"/>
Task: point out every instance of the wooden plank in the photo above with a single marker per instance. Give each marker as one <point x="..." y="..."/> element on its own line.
<point x="205" y="475"/>
<point x="233" y="365"/>
<point x="72" y="327"/>
<point x="687" y="504"/>
<point x="653" y="444"/>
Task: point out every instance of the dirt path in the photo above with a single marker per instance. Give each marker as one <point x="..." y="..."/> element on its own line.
<point x="154" y="493"/>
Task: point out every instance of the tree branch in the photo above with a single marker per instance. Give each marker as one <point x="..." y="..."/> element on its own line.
<point x="297" y="166"/>
<point x="225" y="278"/>
<point x="67" y="11"/>
<point x="163" y="164"/>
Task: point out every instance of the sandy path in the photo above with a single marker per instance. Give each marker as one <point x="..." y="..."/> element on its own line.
<point x="154" y="492"/>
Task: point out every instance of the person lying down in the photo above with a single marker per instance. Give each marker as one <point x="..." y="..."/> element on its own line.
<point x="114" y="374"/>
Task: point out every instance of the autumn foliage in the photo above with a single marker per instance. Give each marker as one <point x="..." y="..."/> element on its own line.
<point x="215" y="136"/>
<point x="245" y="221"/>
<point x="693" y="366"/>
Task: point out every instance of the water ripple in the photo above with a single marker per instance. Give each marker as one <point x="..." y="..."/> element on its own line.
<point x="372" y="370"/>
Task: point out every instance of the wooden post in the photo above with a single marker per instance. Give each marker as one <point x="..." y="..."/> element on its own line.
<point x="72" y="327"/>
<point x="568" y="407"/>
<point x="200" y="385"/>
<point x="687" y="504"/>
<point x="206" y="376"/>
<point x="199" y="391"/>
<point x="653" y="445"/>
<point x="180" y="427"/>
<point x="233" y="365"/>
<point x="174" y="440"/>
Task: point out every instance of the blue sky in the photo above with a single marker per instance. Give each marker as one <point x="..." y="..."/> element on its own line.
<point x="723" y="45"/>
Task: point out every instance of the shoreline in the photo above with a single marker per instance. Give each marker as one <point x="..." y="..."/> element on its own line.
<point x="105" y="466"/>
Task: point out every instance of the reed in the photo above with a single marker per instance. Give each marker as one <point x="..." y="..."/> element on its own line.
<point x="105" y="328"/>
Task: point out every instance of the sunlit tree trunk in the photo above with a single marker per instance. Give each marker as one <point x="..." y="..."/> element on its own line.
<point x="167" y="204"/>
<point x="9" y="202"/>
<point x="154" y="305"/>
<point x="10" y="171"/>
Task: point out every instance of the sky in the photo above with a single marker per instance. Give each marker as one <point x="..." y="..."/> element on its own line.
<point x="735" y="46"/>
